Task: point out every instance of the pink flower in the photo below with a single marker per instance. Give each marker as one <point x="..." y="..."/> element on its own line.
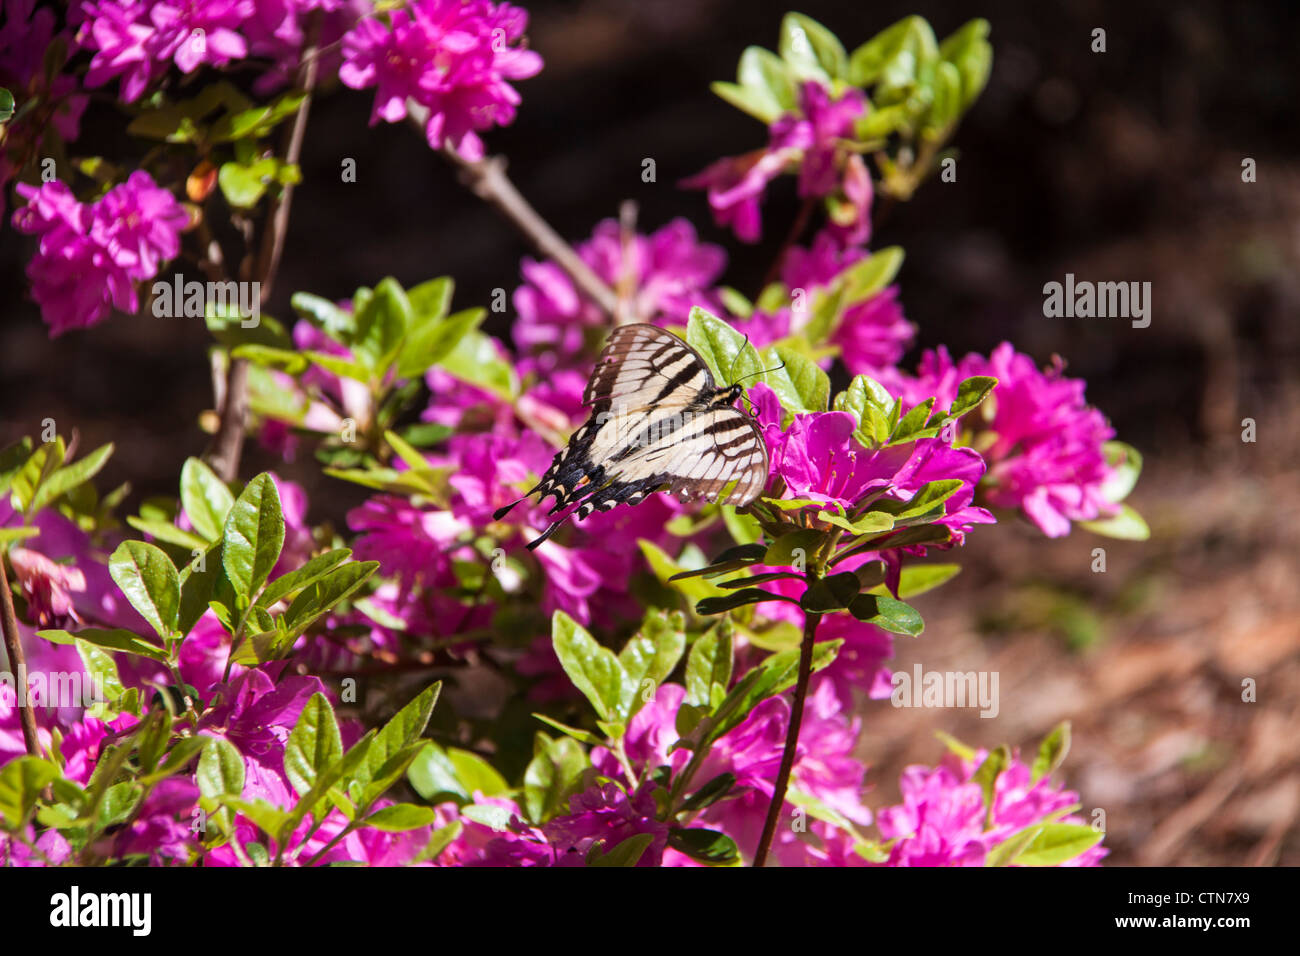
<point x="451" y="56"/>
<point x="1044" y="443"/>
<point x="47" y="587"/>
<point x="139" y="225"/>
<point x="941" y="821"/>
<point x="808" y="138"/>
<point x="669" y="270"/>
<point x="89" y="257"/>
<point x="138" y="40"/>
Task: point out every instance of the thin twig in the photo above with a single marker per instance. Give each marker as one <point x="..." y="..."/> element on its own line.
<point x="811" y="620"/>
<point x="228" y="444"/>
<point x="487" y="179"/>
<point x="625" y="311"/>
<point x="14" y="648"/>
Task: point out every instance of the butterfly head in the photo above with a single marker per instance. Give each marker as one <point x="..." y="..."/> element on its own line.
<point x="727" y="396"/>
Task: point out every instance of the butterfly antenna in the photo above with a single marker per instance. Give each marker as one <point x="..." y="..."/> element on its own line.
<point x="763" y="372"/>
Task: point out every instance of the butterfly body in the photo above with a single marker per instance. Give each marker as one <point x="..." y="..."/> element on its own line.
<point x="658" y="422"/>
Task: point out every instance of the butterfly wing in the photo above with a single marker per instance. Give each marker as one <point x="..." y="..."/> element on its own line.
<point x="653" y="425"/>
<point x="643" y="367"/>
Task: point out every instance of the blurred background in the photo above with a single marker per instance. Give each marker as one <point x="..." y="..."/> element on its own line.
<point x="1124" y="165"/>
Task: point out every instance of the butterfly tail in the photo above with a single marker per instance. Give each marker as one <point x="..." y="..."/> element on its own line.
<point x="554" y="526"/>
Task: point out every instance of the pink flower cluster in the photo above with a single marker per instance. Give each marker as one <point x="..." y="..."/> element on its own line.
<point x="668" y="271"/>
<point x="454" y="57"/>
<point x="807" y="139"/>
<point x="942" y="819"/>
<point x="1044" y="443"/>
<point x="90" y="256"/>
<point x="138" y="41"/>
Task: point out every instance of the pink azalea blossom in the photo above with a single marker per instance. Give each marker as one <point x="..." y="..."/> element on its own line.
<point x="808" y="140"/>
<point x="47" y="587"/>
<point x="89" y="257"/>
<point x="669" y="271"/>
<point x="455" y="58"/>
<point x="942" y="819"/>
<point x="1045" y="444"/>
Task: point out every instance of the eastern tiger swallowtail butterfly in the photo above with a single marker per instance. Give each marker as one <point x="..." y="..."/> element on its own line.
<point x="658" y="422"/>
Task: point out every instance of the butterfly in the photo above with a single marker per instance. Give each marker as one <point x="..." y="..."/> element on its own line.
<point x="658" y="421"/>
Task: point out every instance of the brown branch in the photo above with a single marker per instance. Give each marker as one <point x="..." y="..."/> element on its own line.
<point x="810" y="623"/>
<point x="487" y="179"/>
<point x="228" y="443"/>
<point x="14" y="648"/>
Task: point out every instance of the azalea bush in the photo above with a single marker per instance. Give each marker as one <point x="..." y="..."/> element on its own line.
<point x="666" y="684"/>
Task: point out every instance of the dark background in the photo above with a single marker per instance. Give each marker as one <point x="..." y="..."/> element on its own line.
<point x="1117" y="166"/>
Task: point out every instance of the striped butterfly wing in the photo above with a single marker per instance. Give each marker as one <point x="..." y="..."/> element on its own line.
<point x="644" y="367"/>
<point x="654" y="425"/>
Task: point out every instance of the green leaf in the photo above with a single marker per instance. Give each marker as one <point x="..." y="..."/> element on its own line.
<point x="945" y="108"/>
<point x="708" y="846"/>
<point x="221" y="770"/>
<point x="1056" y="843"/>
<point x="205" y="498"/>
<point x="812" y="51"/>
<point x="149" y="580"/>
<point x="1127" y="525"/>
<point x="887" y="614"/>
<point x="733" y="600"/>
<point x="577" y="733"/>
<point x="831" y="593"/>
<point x="296" y="580"/>
<point x="381" y="324"/>
<point x="101" y="669"/>
<point x="650" y="655"/>
<point x="70" y="476"/>
<point x="969" y="50"/>
<point x="6" y="105"/>
<point x="313" y="744"/>
<point x="971" y="393"/>
<point x="769" y="82"/>
<point x="430" y="341"/>
<point x="798" y="381"/>
<point x="116" y="639"/>
<point x="1125" y="463"/>
<point x="336" y="322"/>
<point x="711" y="792"/>
<point x="626" y="853"/>
<point x="553" y="774"/>
<point x="1003" y="853"/>
<point x="868" y="278"/>
<point x="12" y="460"/>
<point x="775" y="674"/>
<point x="869" y="402"/>
<point x="200" y="588"/>
<point x="592" y="669"/>
<point x="728" y="354"/>
<point x="986" y="776"/>
<point x="431" y="300"/>
<point x="323" y="594"/>
<point x="21" y="783"/>
<point x="403" y="730"/>
<point x="919" y="578"/>
<point x="436" y="772"/>
<point x="401" y="816"/>
<point x="868" y="61"/>
<point x="708" y="668"/>
<point x="253" y="536"/>
<point x="477" y="360"/>
<point x="1052" y="751"/>
<point x="244" y="186"/>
